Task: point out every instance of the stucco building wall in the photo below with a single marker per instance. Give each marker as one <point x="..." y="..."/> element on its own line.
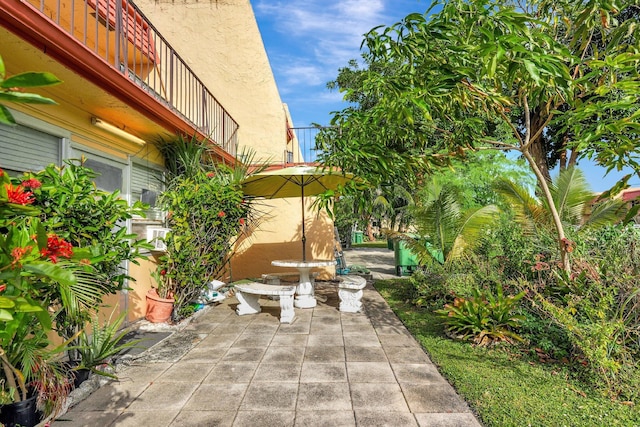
<point x="221" y="42"/>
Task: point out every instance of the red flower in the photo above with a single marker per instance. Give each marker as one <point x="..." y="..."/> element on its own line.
<point x="57" y="247"/>
<point x="31" y="183"/>
<point x="163" y="272"/>
<point x="241" y="221"/>
<point x="221" y="214"/>
<point x="3" y="286"/>
<point x="1" y="172"/>
<point x="18" y="195"/>
<point x="18" y="253"/>
<point x="211" y="175"/>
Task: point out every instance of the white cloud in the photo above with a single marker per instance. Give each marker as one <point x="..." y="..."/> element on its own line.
<point x="308" y="41"/>
<point x="335" y="29"/>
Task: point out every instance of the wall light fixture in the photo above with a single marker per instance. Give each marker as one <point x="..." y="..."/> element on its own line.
<point x="117" y="131"/>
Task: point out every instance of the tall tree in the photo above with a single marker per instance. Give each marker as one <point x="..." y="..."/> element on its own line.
<point x="483" y="73"/>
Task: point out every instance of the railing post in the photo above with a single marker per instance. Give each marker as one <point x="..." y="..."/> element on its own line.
<point x="118" y="34"/>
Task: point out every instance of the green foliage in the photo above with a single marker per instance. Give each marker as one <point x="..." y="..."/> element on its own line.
<point x="207" y="213"/>
<point x="484" y="318"/>
<point x="103" y="343"/>
<point x="11" y="90"/>
<point x="446" y="228"/>
<point x="90" y="218"/>
<point x="205" y="216"/>
<point x="434" y="286"/>
<point x="61" y="246"/>
<point x="598" y="307"/>
<point x="474" y="175"/>
<point x="72" y="207"/>
<point x="33" y="267"/>
<point x="490" y="379"/>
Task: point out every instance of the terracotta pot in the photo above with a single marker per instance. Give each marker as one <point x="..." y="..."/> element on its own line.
<point x="158" y="309"/>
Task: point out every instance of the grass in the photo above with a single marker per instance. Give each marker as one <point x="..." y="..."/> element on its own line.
<point x="374" y="244"/>
<point x="503" y="389"/>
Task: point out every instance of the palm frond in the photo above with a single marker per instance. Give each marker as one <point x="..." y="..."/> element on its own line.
<point x="605" y="213"/>
<point x="571" y="194"/>
<point x="472" y="228"/>
<point x="528" y="211"/>
<point x="439" y="220"/>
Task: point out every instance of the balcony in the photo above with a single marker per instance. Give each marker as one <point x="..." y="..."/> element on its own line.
<point x="97" y="38"/>
<point x="304" y="146"/>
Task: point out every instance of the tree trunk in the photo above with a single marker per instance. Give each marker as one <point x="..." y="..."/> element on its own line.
<point x="370" y="232"/>
<point x="574" y="158"/>
<point x="537" y="149"/>
<point x="543" y="182"/>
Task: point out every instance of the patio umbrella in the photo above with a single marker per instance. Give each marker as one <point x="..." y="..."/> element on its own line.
<point x="294" y="181"/>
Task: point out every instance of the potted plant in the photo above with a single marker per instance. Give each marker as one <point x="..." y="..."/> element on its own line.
<point x="98" y="348"/>
<point x="160" y="299"/>
<point x="30" y="262"/>
<point x="206" y="213"/>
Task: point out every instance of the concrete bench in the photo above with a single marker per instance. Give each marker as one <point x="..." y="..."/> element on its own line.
<point x="249" y="293"/>
<point x="278" y="278"/>
<point x="350" y="292"/>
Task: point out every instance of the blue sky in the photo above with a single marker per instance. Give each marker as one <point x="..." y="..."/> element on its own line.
<point x="308" y="41"/>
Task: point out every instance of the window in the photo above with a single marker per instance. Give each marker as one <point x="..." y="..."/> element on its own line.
<point x="26" y="149"/>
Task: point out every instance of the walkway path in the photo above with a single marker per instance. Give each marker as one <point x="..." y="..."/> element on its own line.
<point x="325" y="369"/>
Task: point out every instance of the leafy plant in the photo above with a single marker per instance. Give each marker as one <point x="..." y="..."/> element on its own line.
<point x="103" y="343"/>
<point x="32" y="263"/>
<point x="207" y="213"/>
<point x="599" y="309"/>
<point x="94" y="223"/>
<point x="447" y="228"/>
<point x="483" y="317"/>
<point x="11" y="90"/>
<point x="575" y="203"/>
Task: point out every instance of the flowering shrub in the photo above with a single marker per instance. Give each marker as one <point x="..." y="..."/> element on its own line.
<point x="31" y="263"/>
<point x="62" y="243"/>
<point x="207" y="213"/>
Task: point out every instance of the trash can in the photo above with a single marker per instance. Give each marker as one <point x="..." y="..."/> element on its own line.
<point x="357" y="237"/>
<point x="390" y="244"/>
<point x="406" y="262"/>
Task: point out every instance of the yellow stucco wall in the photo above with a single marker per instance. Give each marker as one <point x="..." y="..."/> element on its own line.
<point x="279" y="236"/>
<point x="221" y="42"/>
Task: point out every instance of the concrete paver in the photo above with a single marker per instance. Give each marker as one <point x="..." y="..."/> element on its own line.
<point x="327" y="368"/>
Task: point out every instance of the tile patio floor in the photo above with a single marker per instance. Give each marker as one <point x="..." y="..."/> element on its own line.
<point x="325" y="369"/>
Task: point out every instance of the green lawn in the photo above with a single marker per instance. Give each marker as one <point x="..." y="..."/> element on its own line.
<point x="374" y="244"/>
<point x="501" y="388"/>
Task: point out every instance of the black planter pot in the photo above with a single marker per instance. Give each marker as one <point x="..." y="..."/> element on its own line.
<point x="77" y="376"/>
<point x="23" y="413"/>
<point x="80" y="376"/>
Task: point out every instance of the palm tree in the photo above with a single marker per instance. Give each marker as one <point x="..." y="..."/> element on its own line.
<point x="575" y="203"/>
<point x="445" y="229"/>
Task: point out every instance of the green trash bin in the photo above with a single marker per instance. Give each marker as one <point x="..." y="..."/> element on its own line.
<point x="390" y="244"/>
<point x="405" y="260"/>
<point x="357" y="237"/>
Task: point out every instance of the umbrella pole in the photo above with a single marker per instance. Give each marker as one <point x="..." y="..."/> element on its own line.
<point x="304" y="238"/>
